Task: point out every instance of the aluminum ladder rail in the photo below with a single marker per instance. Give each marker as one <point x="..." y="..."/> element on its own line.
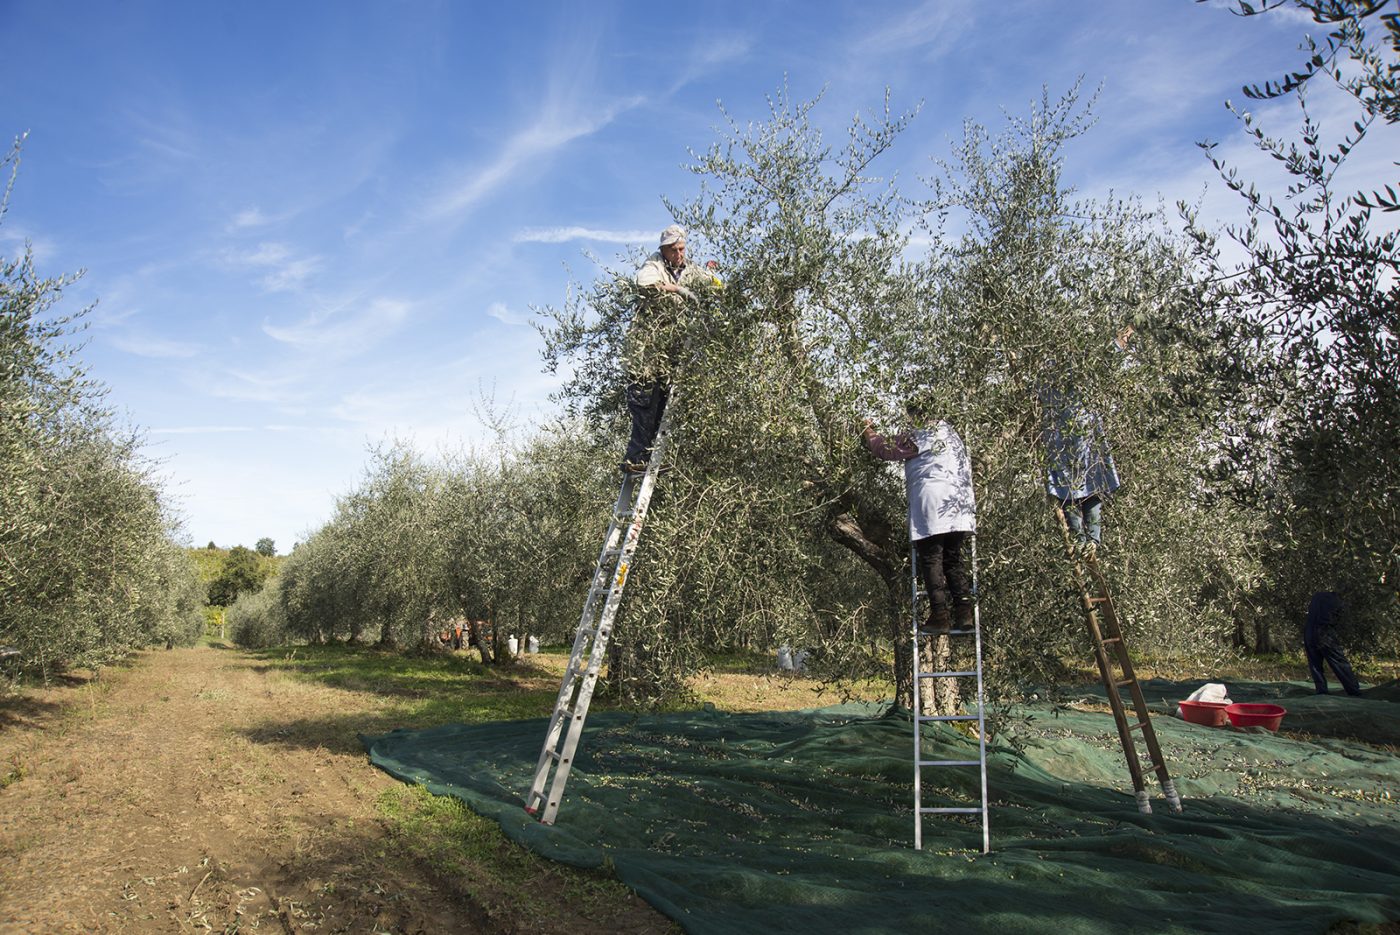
<point x="595" y="625"/>
<point x="1106" y="632"/>
<point x="923" y="637"/>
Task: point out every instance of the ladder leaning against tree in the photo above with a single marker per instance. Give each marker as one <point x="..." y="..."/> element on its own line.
<point x="595" y="625"/>
<point x="601" y="606"/>
<point x="1106" y="632"/>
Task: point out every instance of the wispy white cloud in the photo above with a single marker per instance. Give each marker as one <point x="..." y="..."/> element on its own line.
<point x="201" y="429"/>
<point x="935" y="25"/>
<point x="247" y="386"/>
<point x="266" y="254"/>
<point x="290" y="275"/>
<point x="249" y="218"/>
<point x="443" y="403"/>
<point x="13" y="241"/>
<point x="711" y="52"/>
<point x="552" y="130"/>
<point x="146" y="346"/>
<point x="285" y="269"/>
<point x="565" y="234"/>
<point x="170" y="143"/>
<point x="501" y="313"/>
<point x="335" y="332"/>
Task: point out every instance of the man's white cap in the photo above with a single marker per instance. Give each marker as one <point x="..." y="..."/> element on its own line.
<point x="673" y="234"/>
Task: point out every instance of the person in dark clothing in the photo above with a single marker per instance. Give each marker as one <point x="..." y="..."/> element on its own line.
<point x="1320" y="643"/>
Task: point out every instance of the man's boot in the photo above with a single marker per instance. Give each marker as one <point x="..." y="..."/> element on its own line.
<point x="962" y="614"/>
<point x="939" y="620"/>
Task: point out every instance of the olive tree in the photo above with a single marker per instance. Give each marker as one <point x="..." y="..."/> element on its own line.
<point x="1048" y="295"/>
<point x="88" y="569"/>
<point x="1317" y="304"/>
<point x="773" y="382"/>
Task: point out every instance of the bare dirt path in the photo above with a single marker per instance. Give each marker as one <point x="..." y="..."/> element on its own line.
<point x="171" y="796"/>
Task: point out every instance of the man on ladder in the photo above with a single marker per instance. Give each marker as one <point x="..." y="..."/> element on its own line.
<point x="664" y="280"/>
<point x="1080" y="475"/>
<point x="655" y="345"/>
<point x="942" y="510"/>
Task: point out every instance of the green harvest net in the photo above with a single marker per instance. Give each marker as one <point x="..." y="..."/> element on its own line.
<point x="802" y="821"/>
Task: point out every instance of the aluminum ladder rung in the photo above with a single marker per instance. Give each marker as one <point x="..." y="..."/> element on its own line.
<point x="950" y="762"/>
<point x="944" y="632"/>
<point x="947" y="675"/>
<point x="925" y="718"/>
<point x="950" y="810"/>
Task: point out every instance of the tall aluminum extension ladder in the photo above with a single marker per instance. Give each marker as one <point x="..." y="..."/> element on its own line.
<point x="594" y="627"/>
<point x="1110" y="648"/>
<point x="933" y="641"/>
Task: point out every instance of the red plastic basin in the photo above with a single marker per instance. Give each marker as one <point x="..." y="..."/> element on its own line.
<point x="1268" y="716"/>
<point x="1209" y="713"/>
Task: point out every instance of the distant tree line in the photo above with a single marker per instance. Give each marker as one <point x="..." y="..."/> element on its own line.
<point x="227" y="573"/>
<point x="89" y="569"/>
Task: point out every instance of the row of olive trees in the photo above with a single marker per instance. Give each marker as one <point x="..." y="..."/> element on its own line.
<point x="88" y="567"/>
<point x="775" y="526"/>
<point x="505" y="537"/>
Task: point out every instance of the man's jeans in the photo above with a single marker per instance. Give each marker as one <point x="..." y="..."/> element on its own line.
<point x="1085" y="519"/>
<point x="646" y="402"/>
<point x="1321" y="645"/>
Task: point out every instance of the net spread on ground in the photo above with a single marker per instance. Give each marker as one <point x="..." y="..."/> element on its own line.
<point x="800" y="820"/>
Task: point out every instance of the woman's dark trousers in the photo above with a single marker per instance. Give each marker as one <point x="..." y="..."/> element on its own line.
<point x="941" y="568"/>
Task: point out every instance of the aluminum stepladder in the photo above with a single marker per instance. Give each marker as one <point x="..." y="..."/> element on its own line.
<point x="1109" y="647"/>
<point x="924" y="638"/>
<point x="595" y="625"/>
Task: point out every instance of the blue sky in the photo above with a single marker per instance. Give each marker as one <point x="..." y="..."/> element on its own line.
<point x="314" y="226"/>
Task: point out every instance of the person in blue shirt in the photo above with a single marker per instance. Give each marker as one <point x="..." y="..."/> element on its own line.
<point x="1080" y="470"/>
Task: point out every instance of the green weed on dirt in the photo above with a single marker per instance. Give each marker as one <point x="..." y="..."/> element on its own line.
<point x="426" y="690"/>
<point x="510" y="884"/>
<point x="512" y="889"/>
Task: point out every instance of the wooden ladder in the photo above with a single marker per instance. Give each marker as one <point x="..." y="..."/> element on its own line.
<point x="1110" y="650"/>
